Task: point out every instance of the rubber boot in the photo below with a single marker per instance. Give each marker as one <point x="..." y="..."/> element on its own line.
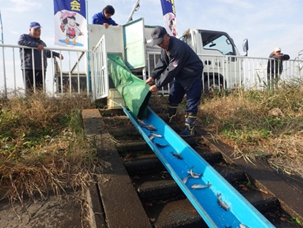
<point x="190" y="120"/>
<point x="172" y="114"/>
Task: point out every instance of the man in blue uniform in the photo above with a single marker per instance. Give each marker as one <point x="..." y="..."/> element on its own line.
<point x="33" y="68"/>
<point x="104" y="17"/>
<point x="180" y="63"/>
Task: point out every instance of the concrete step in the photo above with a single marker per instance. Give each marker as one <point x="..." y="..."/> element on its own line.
<point x="117" y="121"/>
<point x="161" y="190"/>
<point x="145" y="162"/>
<point x="130" y="132"/>
<point x="261" y="201"/>
<point x="161" y="186"/>
<point x="211" y="157"/>
<point x="158" y="187"/>
<point x="137" y="155"/>
<point x="232" y="174"/>
<point x="120" y="132"/>
<point x="179" y="213"/>
<point x="144" y="166"/>
<point x="124" y="146"/>
<point x="163" y="201"/>
<point x="270" y="207"/>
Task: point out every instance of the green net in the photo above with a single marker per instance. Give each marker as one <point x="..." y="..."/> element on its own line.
<point x="133" y="90"/>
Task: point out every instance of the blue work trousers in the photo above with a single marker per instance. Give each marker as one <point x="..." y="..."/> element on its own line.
<point x="193" y="95"/>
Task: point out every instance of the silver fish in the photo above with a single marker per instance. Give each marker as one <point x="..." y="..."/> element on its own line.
<point x="200" y="186"/>
<point x="177" y="155"/>
<point x="160" y="145"/>
<point x="155" y="135"/>
<point x="221" y="203"/>
<point x="151" y="137"/>
<point x="243" y="226"/>
<point x="185" y="179"/>
<point x="148" y="127"/>
<point x="194" y="175"/>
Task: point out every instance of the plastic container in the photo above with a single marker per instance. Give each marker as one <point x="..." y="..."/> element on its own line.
<point x="114" y="99"/>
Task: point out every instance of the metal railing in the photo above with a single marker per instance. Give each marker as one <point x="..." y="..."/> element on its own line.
<point x="67" y="76"/>
<point x="230" y="72"/>
<point x="99" y="73"/>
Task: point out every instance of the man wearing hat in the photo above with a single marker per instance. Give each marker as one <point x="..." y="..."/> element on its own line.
<point x="275" y="66"/>
<point x="31" y="64"/>
<point x="180" y="63"/>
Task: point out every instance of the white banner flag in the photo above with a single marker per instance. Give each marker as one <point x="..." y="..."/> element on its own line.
<point x="70" y="23"/>
<point x="169" y="16"/>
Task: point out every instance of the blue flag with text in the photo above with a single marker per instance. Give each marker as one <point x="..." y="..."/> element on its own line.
<point x="169" y="16"/>
<point x="70" y="23"/>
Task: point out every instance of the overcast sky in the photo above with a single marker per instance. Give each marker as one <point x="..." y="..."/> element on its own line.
<point x="267" y="24"/>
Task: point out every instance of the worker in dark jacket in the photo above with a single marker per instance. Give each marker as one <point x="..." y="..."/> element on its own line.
<point x="32" y="64"/>
<point x="275" y="66"/>
<point x="180" y="63"/>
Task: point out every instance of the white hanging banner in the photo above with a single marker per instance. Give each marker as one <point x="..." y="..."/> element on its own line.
<point x="169" y="16"/>
<point x="70" y="23"/>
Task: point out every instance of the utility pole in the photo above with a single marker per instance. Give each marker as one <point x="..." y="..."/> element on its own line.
<point x="135" y="8"/>
<point x="4" y="71"/>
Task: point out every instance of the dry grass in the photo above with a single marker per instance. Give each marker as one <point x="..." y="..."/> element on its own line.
<point x="43" y="146"/>
<point x="258" y="124"/>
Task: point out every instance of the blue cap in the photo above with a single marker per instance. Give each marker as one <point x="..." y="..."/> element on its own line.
<point x="34" y="25"/>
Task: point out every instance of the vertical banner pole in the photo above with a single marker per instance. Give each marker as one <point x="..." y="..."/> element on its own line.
<point x="88" y="52"/>
<point x="3" y="53"/>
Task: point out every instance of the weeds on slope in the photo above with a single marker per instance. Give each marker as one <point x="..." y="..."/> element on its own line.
<point x="43" y="146"/>
<point x="266" y="124"/>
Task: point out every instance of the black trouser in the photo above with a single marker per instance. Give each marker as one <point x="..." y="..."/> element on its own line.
<point x="29" y="80"/>
<point x="273" y="79"/>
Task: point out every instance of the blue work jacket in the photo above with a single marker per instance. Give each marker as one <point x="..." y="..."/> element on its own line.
<point x="180" y="63"/>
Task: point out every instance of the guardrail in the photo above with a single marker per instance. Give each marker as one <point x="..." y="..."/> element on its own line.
<point x="229" y="72"/>
<point x="67" y="76"/>
<point x="255" y="74"/>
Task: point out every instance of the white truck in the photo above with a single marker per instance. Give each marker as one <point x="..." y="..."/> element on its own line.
<point x="219" y="54"/>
